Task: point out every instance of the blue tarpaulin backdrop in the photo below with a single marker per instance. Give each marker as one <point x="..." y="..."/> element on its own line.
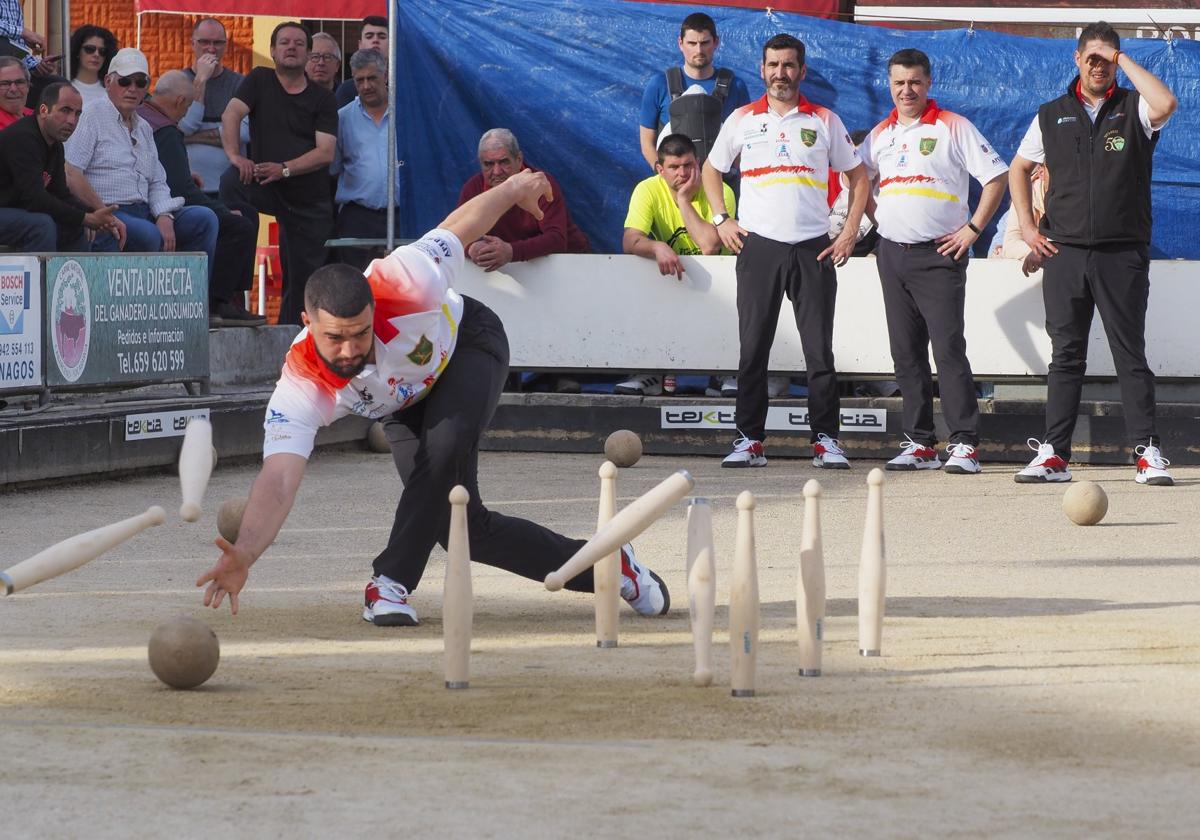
<point x="567" y="78"/>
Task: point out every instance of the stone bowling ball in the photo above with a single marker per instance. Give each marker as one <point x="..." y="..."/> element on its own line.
<point x="623" y="448"/>
<point x="184" y="652"/>
<point x="1085" y="503"/>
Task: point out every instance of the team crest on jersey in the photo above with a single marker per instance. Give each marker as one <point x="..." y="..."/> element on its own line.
<point x="422" y="353"/>
<point x="927" y="145"/>
<point x="808" y="136"/>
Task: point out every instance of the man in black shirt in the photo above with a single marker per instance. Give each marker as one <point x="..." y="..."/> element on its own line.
<point x="37" y="212"/>
<point x="293" y="134"/>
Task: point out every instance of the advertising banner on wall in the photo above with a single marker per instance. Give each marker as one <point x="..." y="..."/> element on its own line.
<point x="20" y="323"/>
<point x="115" y="318"/>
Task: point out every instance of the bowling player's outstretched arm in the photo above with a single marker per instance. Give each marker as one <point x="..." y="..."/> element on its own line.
<point x="270" y="501"/>
<point x="479" y="215"/>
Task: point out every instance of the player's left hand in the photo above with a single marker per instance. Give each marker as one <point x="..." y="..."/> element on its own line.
<point x="491" y="253"/>
<point x="841" y="248"/>
<point x="955" y="245"/>
<point x="227" y="577"/>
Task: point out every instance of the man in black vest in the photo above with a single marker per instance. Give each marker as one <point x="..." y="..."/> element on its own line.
<point x="1097" y="142"/>
<point x="695" y="98"/>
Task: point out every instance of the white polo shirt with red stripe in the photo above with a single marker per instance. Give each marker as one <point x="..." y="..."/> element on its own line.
<point x="416" y="328"/>
<point x="924" y="171"/>
<point x="785" y="166"/>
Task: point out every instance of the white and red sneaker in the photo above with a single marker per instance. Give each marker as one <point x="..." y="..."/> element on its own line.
<point x="746" y="453"/>
<point x="963" y="460"/>
<point x="1046" y="466"/>
<point x="386" y="604"/>
<point x="1152" y="467"/>
<point x="641" y="588"/>
<point x="914" y="456"/>
<point x="828" y="454"/>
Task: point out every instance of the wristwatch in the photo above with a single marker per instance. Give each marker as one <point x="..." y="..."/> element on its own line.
<point x="287" y="173"/>
<point x="170" y="216"/>
<point x="719" y="219"/>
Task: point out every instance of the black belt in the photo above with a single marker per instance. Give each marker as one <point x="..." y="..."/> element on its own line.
<point x="910" y="246"/>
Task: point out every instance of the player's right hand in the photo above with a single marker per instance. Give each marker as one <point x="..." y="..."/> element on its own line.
<point x="227" y="577"/>
<point x="530" y="188"/>
<point x="732" y="234"/>
<point x="1038" y="243"/>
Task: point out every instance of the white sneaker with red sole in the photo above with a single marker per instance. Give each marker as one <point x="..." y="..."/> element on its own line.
<point x="828" y="454"/>
<point x="914" y="456"/>
<point x="386" y="604"/>
<point x="1045" y="466"/>
<point x="746" y="453"/>
<point x="963" y="460"/>
<point x="641" y="588"/>
<point x="1152" y="467"/>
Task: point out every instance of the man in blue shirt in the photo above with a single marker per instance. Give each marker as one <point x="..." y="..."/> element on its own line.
<point x="361" y="159"/>
<point x="719" y="92"/>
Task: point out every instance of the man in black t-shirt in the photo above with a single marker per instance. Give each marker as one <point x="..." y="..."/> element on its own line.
<point x="293" y="134"/>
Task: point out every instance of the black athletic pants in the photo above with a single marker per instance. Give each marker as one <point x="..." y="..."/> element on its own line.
<point x="766" y="271"/>
<point x="435" y="444"/>
<point x="1077" y="281"/>
<point x="923" y="297"/>
<point x="304" y="226"/>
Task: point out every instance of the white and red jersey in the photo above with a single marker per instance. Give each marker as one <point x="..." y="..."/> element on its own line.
<point x="924" y="171"/>
<point x="785" y="166"/>
<point x="417" y="315"/>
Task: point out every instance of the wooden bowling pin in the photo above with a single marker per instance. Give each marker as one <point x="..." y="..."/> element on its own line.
<point x="457" y="602"/>
<point x="639" y="515"/>
<point x="702" y="586"/>
<point x="195" y="467"/>
<point x="810" y="584"/>
<point x="872" y="571"/>
<point x="73" y="552"/>
<point x="607" y="573"/>
<point x="743" y="601"/>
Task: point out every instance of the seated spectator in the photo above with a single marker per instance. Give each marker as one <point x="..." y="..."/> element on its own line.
<point x="361" y="160"/>
<point x="112" y="159"/>
<point x="92" y="48"/>
<point x="518" y="235"/>
<point x="14" y="88"/>
<point x="1008" y="243"/>
<point x="20" y="42"/>
<point x="324" y="64"/>
<point x="232" y="269"/>
<point x="213" y="85"/>
<point x="37" y="212"/>
<point x="374" y="36"/>
<point x="669" y="216"/>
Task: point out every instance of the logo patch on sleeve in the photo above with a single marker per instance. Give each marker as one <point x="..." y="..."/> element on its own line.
<point x="422" y="353"/>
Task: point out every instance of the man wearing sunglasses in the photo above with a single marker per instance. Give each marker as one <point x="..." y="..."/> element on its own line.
<point x="112" y="159"/>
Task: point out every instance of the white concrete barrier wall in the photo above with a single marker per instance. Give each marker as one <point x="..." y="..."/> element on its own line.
<point x="617" y="312"/>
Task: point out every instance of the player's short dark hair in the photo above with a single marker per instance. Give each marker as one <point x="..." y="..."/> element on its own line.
<point x="339" y="289"/>
<point x="50" y="93"/>
<point x="375" y="20"/>
<point x="698" y="22"/>
<point x="783" y="41"/>
<point x="292" y="24"/>
<point x="1099" y="31"/>
<point x="675" y="145"/>
<point x="910" y="58"/>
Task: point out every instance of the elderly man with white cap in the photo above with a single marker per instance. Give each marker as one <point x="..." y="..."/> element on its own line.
<point x="112" y="159"/>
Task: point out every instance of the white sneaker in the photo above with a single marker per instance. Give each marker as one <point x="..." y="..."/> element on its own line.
<point x="641" y="385"/>
<point x="1045" y="466"/>
<point x="729" y="386"/>
<point x="386" y="604"/>
<point x="746" y="453"/>
<point x="1152" y="467"/>
<point x="641" y="588"/>
<point x="778" y="386"/>
<point x="963" y="460"/>
<point x="914" y="456"/>
<point x="828" y="453"/>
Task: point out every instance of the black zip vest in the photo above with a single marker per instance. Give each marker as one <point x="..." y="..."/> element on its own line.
<point x="1099" y="172"/>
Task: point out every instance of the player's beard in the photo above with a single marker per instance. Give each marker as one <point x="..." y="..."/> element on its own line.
<point x="347" y="369"/>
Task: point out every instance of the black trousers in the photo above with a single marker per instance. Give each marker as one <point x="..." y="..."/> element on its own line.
<point x="233" y="262"/>
<point x="1075" y="283"/>
<point x="766" y="271"/>
<point x="304" y="226"/>
<point x="354" y="220"/>
<point x="435" y="444"/>
<point x="923" y="298"/>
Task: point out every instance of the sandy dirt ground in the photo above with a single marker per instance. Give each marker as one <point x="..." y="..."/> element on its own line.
<point x="1039" y="679"/>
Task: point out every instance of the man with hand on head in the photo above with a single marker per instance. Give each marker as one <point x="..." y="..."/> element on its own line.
<point x="924" y="157"/>
<point x="402" y="346"/>
<point x="1097" y="141"/>
<point x="37" y="211"/>
<point x="787" y="147"/>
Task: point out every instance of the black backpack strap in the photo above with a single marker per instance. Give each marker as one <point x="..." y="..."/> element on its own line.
<point x="724" y="83"/>
<point x="675" y="82"/>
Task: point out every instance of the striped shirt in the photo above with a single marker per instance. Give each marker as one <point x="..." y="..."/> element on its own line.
<point x="12" y="21"/>
<point x="122" y="166"/>
<point x="786" y="161"/>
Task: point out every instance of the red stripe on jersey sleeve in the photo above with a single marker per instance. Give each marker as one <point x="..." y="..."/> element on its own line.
<point x="305" y="364"/>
